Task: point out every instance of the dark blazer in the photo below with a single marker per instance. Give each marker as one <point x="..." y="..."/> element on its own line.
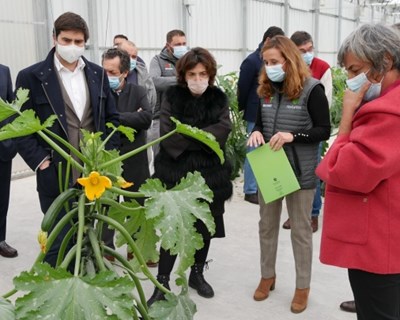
<point x="129" y="101"/>
<point x="248" y="99"/>
<point x="7" y="147"/>
<point x="45" y="99"/>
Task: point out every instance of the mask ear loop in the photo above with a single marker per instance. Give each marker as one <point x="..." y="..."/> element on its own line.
<point x="380" y="82"/>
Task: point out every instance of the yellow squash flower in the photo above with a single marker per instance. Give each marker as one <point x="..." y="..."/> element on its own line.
<point x="95" y="185"/>
<point x="122" y="183"/>
<point x="42" y="239"/>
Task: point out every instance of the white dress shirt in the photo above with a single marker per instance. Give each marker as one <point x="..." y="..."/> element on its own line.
<point x="74" y="83"/>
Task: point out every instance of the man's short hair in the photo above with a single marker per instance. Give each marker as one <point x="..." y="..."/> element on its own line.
<point x="272" y="32"/>
<point x="125" y="60"/>
<point x="71" y="21"/>
<point x="174" y="33"/>
<point x="301" y="37"/>
<point x="122" y="36"/>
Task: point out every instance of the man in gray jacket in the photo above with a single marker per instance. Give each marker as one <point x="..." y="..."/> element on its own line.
<point x="163" y="73"/>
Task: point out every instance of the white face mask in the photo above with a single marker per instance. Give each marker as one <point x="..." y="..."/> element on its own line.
<point x="70" y="53"/>
<point x="357" y="82"/>
<point x="198" y="87"/>
<point x="275" y="73"/>
<point x="179" y="51"/>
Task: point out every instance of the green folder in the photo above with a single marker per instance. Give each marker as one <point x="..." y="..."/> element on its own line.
<point x="273" y="172"/>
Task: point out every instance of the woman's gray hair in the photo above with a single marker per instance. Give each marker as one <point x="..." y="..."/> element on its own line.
<point x="373" y="43"/>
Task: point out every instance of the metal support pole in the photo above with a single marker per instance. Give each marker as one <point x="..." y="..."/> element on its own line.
<point x="286" y="16"/>
<point x="339" y="24"/>
<point x="244" y="28"/>
<point x="316" y="25"/>
<point x="94" y="31"/>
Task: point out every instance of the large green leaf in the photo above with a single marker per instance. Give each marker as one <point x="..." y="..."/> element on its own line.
<point x="56" y="294"/>
<point x="6" y="310"/>
<point x="7" y="109"/>
<point x="26" y="124"/>
<point x="173" y="308"/>
<point x="204" y="137"/>
<point x="141" y="229"/>
<point x="175" y="211"/>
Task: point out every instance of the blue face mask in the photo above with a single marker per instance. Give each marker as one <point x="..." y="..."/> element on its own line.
<point x="275" y="73"/>
<point x="179" y="51"/>
<point x="133" y="64"/>
<point x="357" y="82"/>
<point x="308" y="57"/>
<point x="114" y="82"/>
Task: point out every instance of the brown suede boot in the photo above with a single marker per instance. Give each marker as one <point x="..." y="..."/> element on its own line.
<point x="262" y="292"/>
<point x="300" y="299"/>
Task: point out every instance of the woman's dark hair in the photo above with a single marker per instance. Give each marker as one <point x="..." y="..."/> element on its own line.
<point x="191" y="59"/>
<point x="71" y="21"/>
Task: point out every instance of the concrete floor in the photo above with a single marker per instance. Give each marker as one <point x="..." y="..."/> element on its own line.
<point x="234" y="272"/>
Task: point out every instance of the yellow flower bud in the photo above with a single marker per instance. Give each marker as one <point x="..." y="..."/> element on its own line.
<point x="42" y="239"/>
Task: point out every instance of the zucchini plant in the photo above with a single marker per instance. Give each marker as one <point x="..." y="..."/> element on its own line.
<point x="83" y="284"/>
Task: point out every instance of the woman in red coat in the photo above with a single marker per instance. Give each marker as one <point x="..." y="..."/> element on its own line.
<point x="361" y="228"/>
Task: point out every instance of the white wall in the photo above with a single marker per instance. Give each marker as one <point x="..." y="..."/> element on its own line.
<point x="231" y="29"/>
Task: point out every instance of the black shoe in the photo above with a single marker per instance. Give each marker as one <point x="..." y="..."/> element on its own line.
<point x="252" y="198"/>
<point x="7" y="251"/>
<point x="197" y="281"/>
<point x="349" y="306"/>
<point x="158" y="294"/>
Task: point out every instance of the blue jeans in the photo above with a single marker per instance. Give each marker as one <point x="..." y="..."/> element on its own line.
<point x="250" y="184"/>
<point x="317" y="203"/>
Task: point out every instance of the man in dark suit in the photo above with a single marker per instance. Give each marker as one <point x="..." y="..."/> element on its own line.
<point x="134" y="112"/>
<point x="7" y="153"/>
<point x="77" y="92"/>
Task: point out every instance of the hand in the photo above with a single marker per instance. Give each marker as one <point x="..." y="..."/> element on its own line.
<point x="256" y="138"/>
<point x="279" y="139"/>
<point x="45" y="165"/>
<point x="351" y="101"/>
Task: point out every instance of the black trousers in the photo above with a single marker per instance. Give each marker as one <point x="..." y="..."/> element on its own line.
<point x="377" y="296"/>
<point x="5" y="179"/>
<point x="167" y="260"/>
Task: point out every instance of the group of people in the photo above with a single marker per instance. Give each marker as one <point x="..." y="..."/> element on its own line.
<point x="361" y="215"/>
<point x="285" y="92"/>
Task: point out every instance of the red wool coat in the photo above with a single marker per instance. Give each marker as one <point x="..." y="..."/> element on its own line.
<point x="361" y="223"/>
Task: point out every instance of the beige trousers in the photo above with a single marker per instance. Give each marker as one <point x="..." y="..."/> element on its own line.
<point x="299" y="205"/>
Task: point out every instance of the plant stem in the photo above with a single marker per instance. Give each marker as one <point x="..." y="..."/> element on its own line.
<point x="68" y="258"/>
<point x="96" y="249"/>
<point x="64" y="245"/>
<point x="133" y="152"/>
<point x="59" y="150"/>
<point x="117" y="205"/>
<point x="134" y="249"/>
<point x="65" y="143"/>
<point x="81" y="225"/>
<point x="103" y="145"/>
<point x="143" y="305"/>
<point x="129" y="194"/>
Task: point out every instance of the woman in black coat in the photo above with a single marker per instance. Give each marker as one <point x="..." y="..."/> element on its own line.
<point x="197" y="102"/>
